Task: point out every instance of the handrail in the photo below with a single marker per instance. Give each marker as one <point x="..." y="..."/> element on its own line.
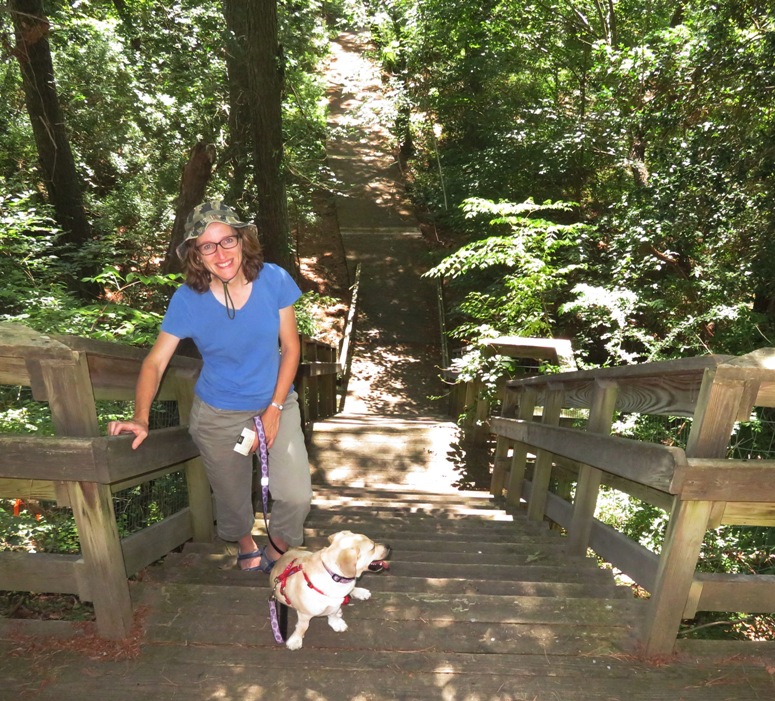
<point x="345" y="351"/>
<point x="698" y="486"/>
<point x="467" y="398"/>
<point x="82" y="469"/>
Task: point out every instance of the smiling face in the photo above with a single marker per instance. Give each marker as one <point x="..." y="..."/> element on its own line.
<point x="354" y="552"/>
<point x="225" y="263"/>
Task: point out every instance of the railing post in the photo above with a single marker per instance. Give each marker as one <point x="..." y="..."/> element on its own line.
<point x="718" y="407"/>
<point x="502" y="445"/>
<point x="71" y="399"/>
<point x="527" y="405"/>
<point x="542" y="473"/>
<point x="600" y="420"/>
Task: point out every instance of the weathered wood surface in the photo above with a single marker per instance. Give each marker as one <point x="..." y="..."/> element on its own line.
<point x="439" y="624"/>
<point x="647" y="463"/>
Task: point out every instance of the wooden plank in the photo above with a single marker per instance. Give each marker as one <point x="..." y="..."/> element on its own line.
<point x="162" y="447"/>
<point x="542" y="472"/>
<point x="627" y="373"/>
<point x="319" y="369"/>
<point x="726" y="480"/>
<point x="636" y="561"/>
<point x="345" y="350"/>
<point x="13" y="371"/>
<point x="670" y="395"/>
<point x="113" y="376"/>
<point x="37" y="490"/>
<point x="319" y="673"/>
<point x="645" y="463"/>
<point x="733" y="592"/>
<point x="19" y="341"/>
<point x="717" y="411"/>
<point x="587" y="488"/>
<point x="42" y="572"/>
<point x="630" y="557"/>
<point x="49" y="458"/>
<point x="145" y="547"/>
<point x="70" y="396"/>
<point x="502" y="447"/>
<point x="557" y="350"/>
<point x="748" y="513"/>
<point x="92" y="506"/>
<point x="519" y="450"/>
<point x="678" y="560"/>
<point x="122" y="351"/>
<point x="567" y="472"/>
<point x="105" y="459"/>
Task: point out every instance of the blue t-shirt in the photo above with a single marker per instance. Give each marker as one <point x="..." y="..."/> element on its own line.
<point x="241" y="356"/>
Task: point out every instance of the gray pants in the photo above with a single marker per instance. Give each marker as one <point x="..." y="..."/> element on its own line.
<point x="215" y="431"/>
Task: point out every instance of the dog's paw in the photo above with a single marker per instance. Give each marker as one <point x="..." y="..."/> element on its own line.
<point x="360" y="593"/>
<point x="337" y="623"/>
<point x="294" y="642"/>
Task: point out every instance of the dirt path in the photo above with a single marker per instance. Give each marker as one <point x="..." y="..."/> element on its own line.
<point x="397" y="347"/>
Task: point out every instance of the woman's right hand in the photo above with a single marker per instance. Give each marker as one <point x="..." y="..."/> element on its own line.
<point x="139" y="428"/>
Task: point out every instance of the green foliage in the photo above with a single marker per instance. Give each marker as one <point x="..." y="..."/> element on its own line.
<point x="53" y="532"/>
<point x="658" y="123"/>
<point x="308" y="310"/>
<point x="511" y="282"/>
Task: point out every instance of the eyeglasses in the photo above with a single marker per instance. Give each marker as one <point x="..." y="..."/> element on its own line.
<point x="207" y="249"/>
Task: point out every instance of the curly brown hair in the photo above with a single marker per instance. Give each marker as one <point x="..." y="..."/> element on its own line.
<point x="198" y="277"/>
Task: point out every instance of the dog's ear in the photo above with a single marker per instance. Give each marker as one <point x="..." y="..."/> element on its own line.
<point x="347" y="562"/>
<point x="336" y="536"/>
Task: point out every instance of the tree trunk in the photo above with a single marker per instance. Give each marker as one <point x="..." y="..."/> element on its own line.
<point x="193" y="184"/>
<point x="63" y="184"/>
<point x="263" y="70"/>
<point x="240" y="148"/>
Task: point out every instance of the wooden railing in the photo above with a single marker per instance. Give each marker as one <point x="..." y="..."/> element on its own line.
<point x="81" y="469"/>
<point x="469" y="398"/>
<point x="538" y="461"/>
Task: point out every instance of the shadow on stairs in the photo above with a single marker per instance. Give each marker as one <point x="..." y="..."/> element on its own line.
<point x="478" y="605"/>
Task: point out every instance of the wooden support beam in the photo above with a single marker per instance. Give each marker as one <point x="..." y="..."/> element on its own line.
<point x="649" y="464"/>
<point x="73" y="411"/>
<point x="542" y="472"/>
<point x="731" y="592"/>
<point x="43" y="572"/>
<point x="600" y="419"/>
<point x="718" y="407"/>
<point x="677" y="563"/>
<point x="502" y="447"/>
<point x="152" y="543"/>
<point x="527" y="403"/>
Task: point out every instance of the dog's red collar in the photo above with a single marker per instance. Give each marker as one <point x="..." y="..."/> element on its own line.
<point x="292" y="569"/>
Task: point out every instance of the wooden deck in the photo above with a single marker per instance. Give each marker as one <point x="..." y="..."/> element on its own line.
<point x="478" y="604"/>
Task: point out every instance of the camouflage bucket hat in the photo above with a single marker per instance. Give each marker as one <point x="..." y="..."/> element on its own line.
<point x="205" y="214"/>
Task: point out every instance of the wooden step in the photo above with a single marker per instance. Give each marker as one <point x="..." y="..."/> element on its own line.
<point x="182" y="570"/>
<point x="435" y="622"/>
<point x="314" y="672"/>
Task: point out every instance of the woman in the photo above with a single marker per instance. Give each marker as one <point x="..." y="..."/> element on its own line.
<point x="235" y="308"/>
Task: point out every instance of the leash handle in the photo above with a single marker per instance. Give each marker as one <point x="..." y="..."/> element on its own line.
<point x="263" y="459"/>
<point x="275" y="622"/>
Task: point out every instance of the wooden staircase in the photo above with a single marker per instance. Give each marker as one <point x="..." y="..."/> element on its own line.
<point x="476" y="598"/>
<point x="478" y="605"/>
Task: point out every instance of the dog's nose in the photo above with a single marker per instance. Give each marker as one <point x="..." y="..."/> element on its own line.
<point x="379" y="565"/>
